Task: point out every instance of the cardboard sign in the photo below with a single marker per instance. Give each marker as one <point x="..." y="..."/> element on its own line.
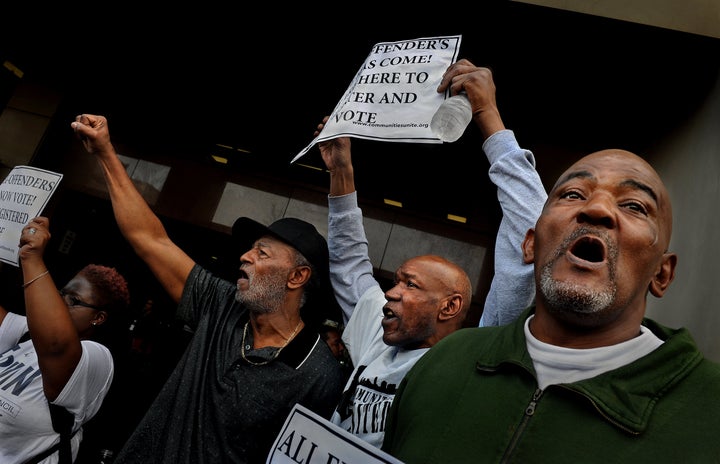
<point x="309" y="439"/>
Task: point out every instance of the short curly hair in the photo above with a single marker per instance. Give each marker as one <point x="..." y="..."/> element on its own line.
<point x="109" y="284"/>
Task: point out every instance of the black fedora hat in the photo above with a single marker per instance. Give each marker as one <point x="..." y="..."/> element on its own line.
<point x="304" y="237"/>
<point x="297" y="233"/>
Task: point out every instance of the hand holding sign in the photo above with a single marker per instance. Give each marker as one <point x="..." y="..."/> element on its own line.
<point x="23" y="195"/>
<point x="394" y="94"/>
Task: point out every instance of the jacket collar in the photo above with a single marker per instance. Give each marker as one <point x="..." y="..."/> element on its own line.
<point x="642" y="383"/>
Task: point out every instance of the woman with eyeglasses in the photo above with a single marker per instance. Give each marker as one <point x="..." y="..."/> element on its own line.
<point x="50" y="359"/>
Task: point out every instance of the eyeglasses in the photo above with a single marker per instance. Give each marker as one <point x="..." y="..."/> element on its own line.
<point x="72" y="300"/>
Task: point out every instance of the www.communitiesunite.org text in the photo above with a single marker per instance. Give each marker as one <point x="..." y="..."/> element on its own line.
<point x="392" y="124"/>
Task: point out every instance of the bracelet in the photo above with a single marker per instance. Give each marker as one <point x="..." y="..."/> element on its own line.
<point x="27" y="284"/>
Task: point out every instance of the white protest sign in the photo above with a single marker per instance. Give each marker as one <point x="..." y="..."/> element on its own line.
<point x="394" y="94"/>
<point x="23" y="195"/>
<point x="309" y="439"/>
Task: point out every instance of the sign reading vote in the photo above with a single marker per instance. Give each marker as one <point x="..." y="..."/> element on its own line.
<point x="307" y="438"/>
<point x="394" y="95"/>
<point x="23" y="195"/>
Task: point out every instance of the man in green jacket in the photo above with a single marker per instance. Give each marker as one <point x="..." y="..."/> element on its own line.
<point x="582" y="376"/>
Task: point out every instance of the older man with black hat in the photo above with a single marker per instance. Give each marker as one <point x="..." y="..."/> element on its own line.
<point x="255" y="351"/>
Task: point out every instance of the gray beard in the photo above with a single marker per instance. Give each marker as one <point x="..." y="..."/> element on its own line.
<point x="264" y="295"/>
<point x="563" y="297"/>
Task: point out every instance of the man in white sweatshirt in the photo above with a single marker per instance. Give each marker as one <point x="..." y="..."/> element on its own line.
<point x="387" y="332"/>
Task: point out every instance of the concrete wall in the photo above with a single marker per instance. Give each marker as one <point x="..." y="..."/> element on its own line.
<point x="689" y="162"/>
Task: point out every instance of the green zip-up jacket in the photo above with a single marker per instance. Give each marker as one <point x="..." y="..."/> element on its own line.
<point x="474" y="398"/>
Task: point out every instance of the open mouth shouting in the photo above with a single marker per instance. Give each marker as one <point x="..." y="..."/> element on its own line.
<point x="388" y="314"/>
<point x="580" y="280"/>
<point x="390" y="320"/>
<point x="587" y="251"/>
<point x="243" y="279"/>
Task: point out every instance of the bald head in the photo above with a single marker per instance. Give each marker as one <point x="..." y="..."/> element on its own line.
<point x="429" y="300"/>
<point x="450" y="274"/>
<point x="446" y="276"/>
<point x="633" y="171"/>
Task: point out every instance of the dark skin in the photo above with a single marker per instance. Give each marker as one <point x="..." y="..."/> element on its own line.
<point x="273" y="257"/>
<point x="431" y="295"/>
<point x="56" y="327"/>
<point x="621" y="211"/>
<point x="428" y="302"/>
<point x="169" y="263"/>
<point x="334" y="340"/>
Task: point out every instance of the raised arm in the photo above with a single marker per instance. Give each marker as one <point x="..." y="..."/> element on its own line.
<point x="351" y="271"/>
<point x="519" y="188"/>
<point x="137" y="222"/>
<point x="54" y="335"/>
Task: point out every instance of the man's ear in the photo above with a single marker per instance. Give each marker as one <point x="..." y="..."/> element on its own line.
<point x="664" y="276"/>
<point x="528" y="247"/>
<point x="299" y="276"/>
<point x="453" y="306"/>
